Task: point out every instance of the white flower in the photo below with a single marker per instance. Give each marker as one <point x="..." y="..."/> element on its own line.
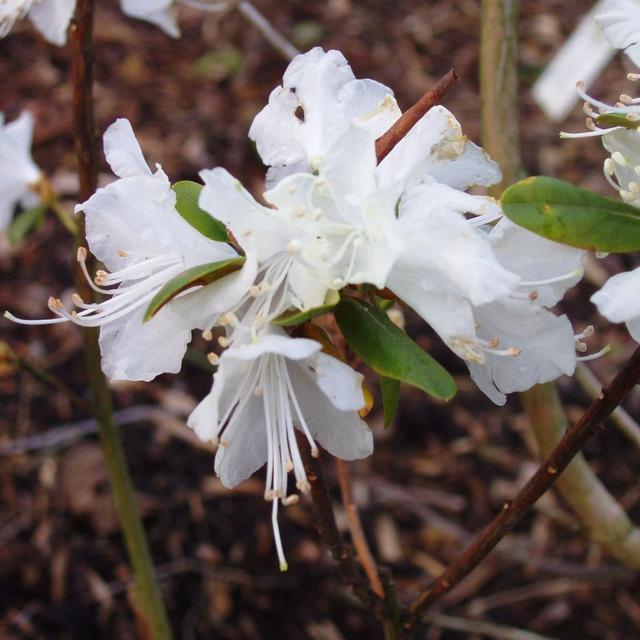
<point x="525" y="343"/>
<point x="132" y="226"/>
<point x="265" y="389"/>
<point x="319" y="98"/>
<point x="620" y="20"/>
<point x="619" y="300"/>
<point x="50" y="17"/>
<point x="158" y="12"/>
<point x="18" y="172"/>
<point x="447" y="264"/>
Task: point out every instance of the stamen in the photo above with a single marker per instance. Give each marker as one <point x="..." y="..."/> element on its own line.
<point x="213" y="358"/>
<point x="579" y="272"/>
<point x="594" y="356"/>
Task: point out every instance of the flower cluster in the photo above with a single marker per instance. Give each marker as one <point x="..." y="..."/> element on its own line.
<point x="618" y="126"/>
<point x="336" y="223"/>
<point x="52" y="17"/>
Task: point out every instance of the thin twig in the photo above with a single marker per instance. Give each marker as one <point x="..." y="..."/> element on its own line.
<point x="590" y="383"/>
<point x="257" y="19"/>
<point x="489" y="629"/>
<point x="410" y="117"/>
<point x="329" y="534"/>
<point x="357" y="532"/>
<point x="540" y="482"/>
<point x="273" y="37"/>
<point x="146" y="595"/>
<point x="605" y="519"/>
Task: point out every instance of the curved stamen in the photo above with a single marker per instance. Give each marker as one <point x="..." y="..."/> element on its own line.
<point x="594" y="356"/>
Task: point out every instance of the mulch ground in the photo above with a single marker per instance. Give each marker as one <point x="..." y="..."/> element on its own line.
<point x="438" y="474"/>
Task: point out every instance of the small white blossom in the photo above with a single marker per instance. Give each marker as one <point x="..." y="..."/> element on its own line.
<point x="262" y="392"/>
<point x="18" y="172"/>
<point x="50" y="17"/>
<point x="132" y="226"/>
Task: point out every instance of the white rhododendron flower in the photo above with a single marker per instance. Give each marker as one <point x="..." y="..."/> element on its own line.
<point x="620" y="20"/>
<point x="317" y="101"/>
<point x="18" y="171"/>
<point x="265" y="389"/>
<point x="619" y="300"/>
<point x="50" y="17"/>
<point x="132" y="226"/>
<point x="544" y="344"/>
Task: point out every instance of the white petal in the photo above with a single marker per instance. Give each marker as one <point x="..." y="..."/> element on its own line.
<point x="339" y="382"/>
<point x="246" y="448"/>
<point x="52" y="18"/>
<point x="137" y="216"/>
<point x="535" y="258"/>
<point x="633" y="326"/>
<point x="619" y="298"/>
<point x="350" y="164"/>
<point x="451" y="254"/>
<point x="547" y="343"/>
<point x="136" y="350"/>
<point x="123" y="152"/>
<point x="370" y="105"/>
<point x="277" y="343"/>
<point x="436" y="148"/>
<point x="201" y="309"/>
<point x="342" y="433"/>
<point x="255" y="227"/>
<point x="627" y="143"/>
<point x="158" y="12"/>
<point x="620" y="20"/>
<point x="17" y="169"/>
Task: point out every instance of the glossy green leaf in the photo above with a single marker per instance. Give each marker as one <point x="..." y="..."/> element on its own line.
<point x="293" y="317"/>
<point x="617" y="120"/>
<point x="25" y="222"/>
<point x="187" y="194"/>
<point x="390" y="398"/>
<point x="562" y="212"/>
<point x="201" y="275"/>
<point x="389" y="351"/>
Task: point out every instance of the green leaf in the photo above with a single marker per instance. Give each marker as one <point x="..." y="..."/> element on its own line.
<point x="187" y="194"/>
<point x="293" y="317"/>
<point x="203" y="274"/>
<point x="24" y="222"/>
<point x="617" y="120"/>
<point x="389" y="351"/>
<point x="562" y="212"/>
<point x="390" y="398"/>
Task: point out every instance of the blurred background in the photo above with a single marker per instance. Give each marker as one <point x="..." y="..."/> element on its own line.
<point x="437" y="475"/>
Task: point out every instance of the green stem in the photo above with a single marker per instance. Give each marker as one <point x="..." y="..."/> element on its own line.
<point x="146" y="594"/>
<point x="603" y="516"/>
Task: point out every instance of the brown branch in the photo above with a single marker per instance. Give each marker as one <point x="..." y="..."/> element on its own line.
<point x="357" y="532"/>
<point x="84" y="128"/>
<point x="540" y="482"/>
<point x="388" y="140"/>
<point x="328" y="531"/>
